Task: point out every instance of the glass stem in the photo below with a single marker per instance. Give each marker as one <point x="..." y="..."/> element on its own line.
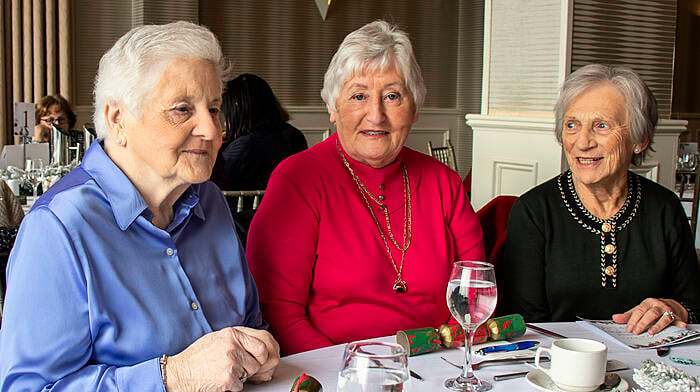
<point x="467" y="368"/>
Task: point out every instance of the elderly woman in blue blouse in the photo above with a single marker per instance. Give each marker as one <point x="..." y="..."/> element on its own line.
<point x="599" y="241"/>
<point x="126" y="274"/>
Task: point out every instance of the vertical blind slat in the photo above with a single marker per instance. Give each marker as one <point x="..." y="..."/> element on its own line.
<point x="27" y="52"/>
<point x="39" y="48"/>
<point x="51" y="46"/>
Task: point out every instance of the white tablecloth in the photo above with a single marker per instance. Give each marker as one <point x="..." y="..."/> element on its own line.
<point x="324" y="363"/>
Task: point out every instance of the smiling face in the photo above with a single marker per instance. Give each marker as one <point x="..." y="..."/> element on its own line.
<point x="596" y="137"/>
<point x="373" y="116"/>
<point x="179" y="133"/>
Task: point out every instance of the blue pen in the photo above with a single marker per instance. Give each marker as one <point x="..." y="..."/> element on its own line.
<point x="509" y="347"/>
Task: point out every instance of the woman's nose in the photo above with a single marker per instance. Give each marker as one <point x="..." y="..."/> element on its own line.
<point x="208" y="126"/>
<point x="586" y="138"/>
<point x="375" y="111"/>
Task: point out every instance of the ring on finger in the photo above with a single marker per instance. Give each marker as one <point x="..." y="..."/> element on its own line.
<point x="669" y="314"/>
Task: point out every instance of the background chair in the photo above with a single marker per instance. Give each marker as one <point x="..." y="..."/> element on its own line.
<point x="444" y="154"/>
<point x="690" y="176"/>
<point x="243" y="205"/>
<point x="494" y="223"/>
<point x="240" y="199"/>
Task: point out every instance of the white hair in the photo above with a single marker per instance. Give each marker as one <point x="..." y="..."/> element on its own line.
<point x="376" y="46"/>
<point x="132" y="67"/>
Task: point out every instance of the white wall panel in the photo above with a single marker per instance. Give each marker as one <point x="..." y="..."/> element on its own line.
<point x="513" y="177"/>
<point x="512" y="155"/>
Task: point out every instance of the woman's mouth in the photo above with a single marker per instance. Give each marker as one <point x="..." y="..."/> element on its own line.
<point x="587" y="161"/>
<point x="197" y="152"/>
<point x="375" y="133"/>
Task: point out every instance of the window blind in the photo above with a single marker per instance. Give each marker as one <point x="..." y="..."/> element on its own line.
<point x="525" y="80"/>
<point x="98" y="25"/>
<point x="638" y="34"/>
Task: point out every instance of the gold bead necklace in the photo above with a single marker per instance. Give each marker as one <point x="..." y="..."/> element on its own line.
<point x="400" y="285"/>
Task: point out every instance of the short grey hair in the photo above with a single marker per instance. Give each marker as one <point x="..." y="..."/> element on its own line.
<point x="376" y="46"/>
<point x="132" y="67"/>
<point x="639" y="100"/>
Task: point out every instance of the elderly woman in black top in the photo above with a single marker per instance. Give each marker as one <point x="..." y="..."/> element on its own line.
<point x="599" y="241"/>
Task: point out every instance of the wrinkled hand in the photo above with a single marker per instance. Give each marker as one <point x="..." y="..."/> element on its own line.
<point x="269" y="364"/>
<point x="217" y="361"/>
<point x="650" y="315"/>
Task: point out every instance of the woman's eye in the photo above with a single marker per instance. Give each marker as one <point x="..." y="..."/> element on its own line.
<point x="571" y="125"/>
<point x="359" y="97"/>
<point x="214" y="111"/>
<point x="604" y="127"/>
<point x="181" y="109"/>
<point x="393" y="97"/>
<point x="178" y="114"/>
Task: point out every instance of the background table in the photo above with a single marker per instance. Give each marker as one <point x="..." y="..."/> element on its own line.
<point x="324" y="363"/>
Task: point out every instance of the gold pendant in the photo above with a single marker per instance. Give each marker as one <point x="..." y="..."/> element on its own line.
<point x="400" y="286"/>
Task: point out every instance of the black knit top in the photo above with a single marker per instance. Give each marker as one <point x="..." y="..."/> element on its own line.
<point x="560" y="261"/>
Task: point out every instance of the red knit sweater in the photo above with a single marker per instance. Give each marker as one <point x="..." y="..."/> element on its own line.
<point x="320" y="265"/>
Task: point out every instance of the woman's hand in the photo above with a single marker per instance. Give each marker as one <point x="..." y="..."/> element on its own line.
<point x="654" y="314"/>
<point x="220" y="360"/>
<point x="269" y="364"/>
<point x="42" y="133"/>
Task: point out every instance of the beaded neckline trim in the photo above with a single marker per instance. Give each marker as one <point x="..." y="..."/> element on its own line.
<point x="605" y="228"/>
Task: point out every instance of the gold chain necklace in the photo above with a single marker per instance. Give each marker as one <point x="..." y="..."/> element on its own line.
<point x="400" y="285"/>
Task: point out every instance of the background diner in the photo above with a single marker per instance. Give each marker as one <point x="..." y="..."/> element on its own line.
<point x="493" y="71"/>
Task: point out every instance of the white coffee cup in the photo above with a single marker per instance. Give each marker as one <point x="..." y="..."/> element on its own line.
<point x="576" y="364"/>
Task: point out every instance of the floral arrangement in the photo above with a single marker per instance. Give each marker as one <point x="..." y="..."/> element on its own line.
<point x="659" y="377"/>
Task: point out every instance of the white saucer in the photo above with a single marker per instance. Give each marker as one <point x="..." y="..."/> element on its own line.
<point x="541" y="381"/>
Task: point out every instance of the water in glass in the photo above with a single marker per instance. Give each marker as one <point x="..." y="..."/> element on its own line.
<point x="471" y="297"/>
<point x="374" y="367"/>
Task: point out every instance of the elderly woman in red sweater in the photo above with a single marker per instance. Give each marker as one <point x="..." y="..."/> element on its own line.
<point x="355" y="237"/>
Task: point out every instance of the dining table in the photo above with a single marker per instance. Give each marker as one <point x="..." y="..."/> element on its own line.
<point x="324" y="363"/>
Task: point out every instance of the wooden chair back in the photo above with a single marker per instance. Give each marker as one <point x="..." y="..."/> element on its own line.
<point x="445" y="154"/>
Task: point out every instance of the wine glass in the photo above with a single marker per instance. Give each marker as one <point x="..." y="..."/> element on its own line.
<point x="471" y="297"/>
<point x="374" y="367"/>
<point x="35" y="173"/>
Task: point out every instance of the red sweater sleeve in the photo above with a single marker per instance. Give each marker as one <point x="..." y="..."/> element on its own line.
<point x="285" y="231"/>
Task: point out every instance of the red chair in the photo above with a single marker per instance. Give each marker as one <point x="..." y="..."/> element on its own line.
<point x="494" y="223"/>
